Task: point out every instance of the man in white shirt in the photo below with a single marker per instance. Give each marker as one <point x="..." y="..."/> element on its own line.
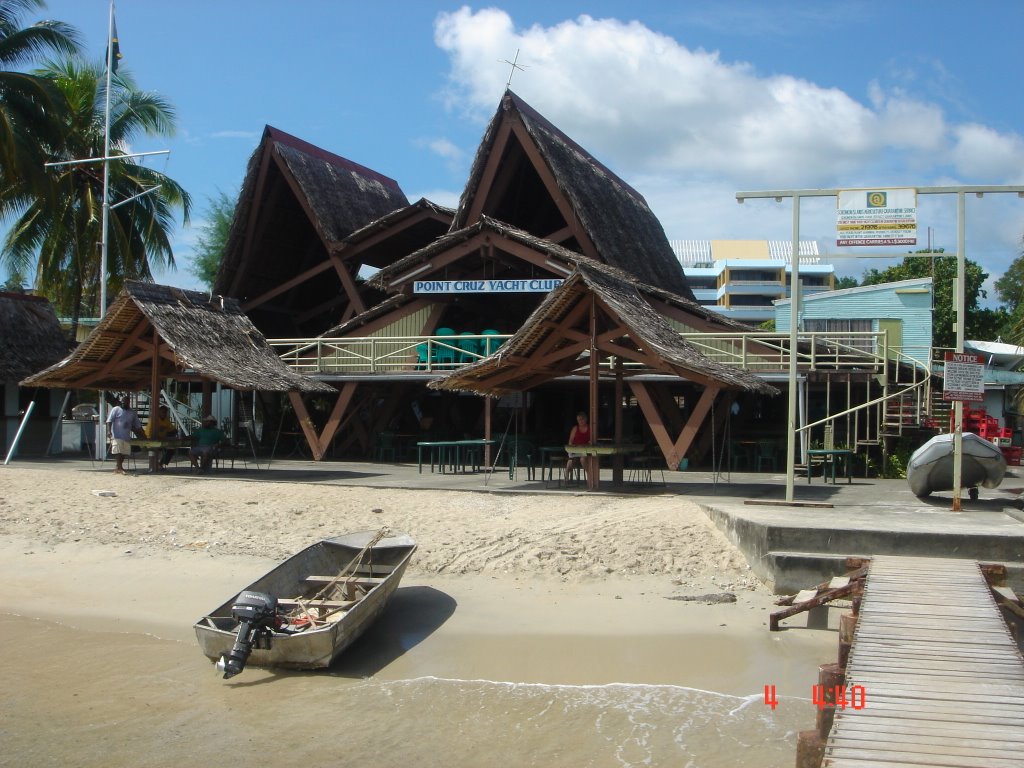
<point x="123" y="423"/>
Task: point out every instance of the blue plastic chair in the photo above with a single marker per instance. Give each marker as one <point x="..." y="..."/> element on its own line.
<point x="470" y="347"/>
<point x="444" y="351"/>
<point x="490" y="345"/>
<point x="422" y="356"/>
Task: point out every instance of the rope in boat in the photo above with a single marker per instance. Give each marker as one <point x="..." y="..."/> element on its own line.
<point x="340" y="581"/>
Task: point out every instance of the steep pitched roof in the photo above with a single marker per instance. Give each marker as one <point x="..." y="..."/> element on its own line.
<point x="297" y="204"/>
<point x="197" y="335"/>
<point x="531" y="175"/>
<point x="555" y="341"/>
<point x="31" y="338"/>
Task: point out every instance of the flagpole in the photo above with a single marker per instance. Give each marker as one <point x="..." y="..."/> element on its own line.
<point x="101" y="437"/>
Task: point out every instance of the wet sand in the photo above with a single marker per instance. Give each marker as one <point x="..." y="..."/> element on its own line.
<point x="523" y="639"/>
<point x="102" y="668"/>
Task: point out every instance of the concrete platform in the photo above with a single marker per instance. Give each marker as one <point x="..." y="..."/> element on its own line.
<point x="788" y="546"/>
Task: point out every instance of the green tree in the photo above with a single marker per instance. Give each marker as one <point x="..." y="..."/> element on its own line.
<point x="980" y="323"/>
<point x="212" y="238"/>
<point x="31" y="109"/>
<point x="58" y="236"/>
<point x="1010" y="289"/>
<point x="846" y="282"/>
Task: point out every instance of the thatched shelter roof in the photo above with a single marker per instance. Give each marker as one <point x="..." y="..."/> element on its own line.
<point x="568" y="259"/>
<point x="615" y="219"/>
<point x="31" y="337"/>
<point x="189" y="334"/>
<point x="298" y="203"/>
<point x="396" y="234"/>
<point x="555" y="341"/>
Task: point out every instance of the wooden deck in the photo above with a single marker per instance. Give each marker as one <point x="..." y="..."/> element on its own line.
<point x="941" y="677"/>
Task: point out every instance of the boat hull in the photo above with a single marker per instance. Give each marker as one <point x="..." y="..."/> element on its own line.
<point x="314" y="647"/>
<point x="931" y="466"/>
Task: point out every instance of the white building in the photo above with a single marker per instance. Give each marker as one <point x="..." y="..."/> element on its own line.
<point x="741" y="278"/>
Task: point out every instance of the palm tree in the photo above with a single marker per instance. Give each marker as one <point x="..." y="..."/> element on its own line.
<point x="30" y="107"/>
<point x="61" y="233"/>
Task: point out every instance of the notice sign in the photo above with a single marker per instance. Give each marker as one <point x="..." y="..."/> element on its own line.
<point x="964" y="377"/>
<point x="877" y="217"/>
<point x="534" y="285"/>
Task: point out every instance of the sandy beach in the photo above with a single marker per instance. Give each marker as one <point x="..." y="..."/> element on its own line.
<point x="514" y="605"/>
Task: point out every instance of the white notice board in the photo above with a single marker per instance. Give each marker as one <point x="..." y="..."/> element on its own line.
<point x="964" y="377"/>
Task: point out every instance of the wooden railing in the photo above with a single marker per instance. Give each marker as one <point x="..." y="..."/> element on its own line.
<point x="755" y="351"/>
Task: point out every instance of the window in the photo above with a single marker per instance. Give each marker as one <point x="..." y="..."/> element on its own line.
<point x="837" y="327"/>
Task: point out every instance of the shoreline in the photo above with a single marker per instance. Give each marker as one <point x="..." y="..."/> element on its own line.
<point x="506" y="597"/>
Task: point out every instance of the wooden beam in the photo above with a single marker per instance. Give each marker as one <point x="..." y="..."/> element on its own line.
<point x="348" y="284"/>
<point x="287" y="285"/>
<point x="334" y="420"/>
<point x="672" y="450"/>
<point x="254" y="216"/>
<point x="491" y="168"/>
<point x="555" y="191"/>
<point x="306" y="425"/>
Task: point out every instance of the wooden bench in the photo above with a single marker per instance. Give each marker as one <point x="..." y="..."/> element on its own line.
<point x="359" y="581"/>
<point x="310" y="602"/>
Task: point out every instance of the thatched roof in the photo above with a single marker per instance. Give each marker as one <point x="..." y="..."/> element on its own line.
<point x="554" y="342"/>
<point x="392" y="236"/>
<point x="614" y="216"/>
<point x="199" y="335"/>
<point x="563" y="256"/>
<point x="297" y="204"/>
<point x="30" y="338"/>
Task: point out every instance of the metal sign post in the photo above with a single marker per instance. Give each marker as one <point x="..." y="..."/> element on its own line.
<point x="796" y="195"/>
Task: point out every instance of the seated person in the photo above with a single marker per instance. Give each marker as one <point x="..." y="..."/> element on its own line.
<point x="579" y="435"/>
<point x="204" y="443"/>
<point x="166" y="430"/>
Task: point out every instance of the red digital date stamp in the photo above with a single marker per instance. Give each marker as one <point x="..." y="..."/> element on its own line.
<point x="823" y="697"/>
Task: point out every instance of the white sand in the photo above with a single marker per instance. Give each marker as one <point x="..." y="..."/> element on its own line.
<point x="573" y="538"/>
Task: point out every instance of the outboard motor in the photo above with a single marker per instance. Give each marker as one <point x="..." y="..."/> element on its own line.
<point x="256" y="614"/>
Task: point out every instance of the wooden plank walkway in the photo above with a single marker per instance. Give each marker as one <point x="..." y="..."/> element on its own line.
<point x="942" y="678"/>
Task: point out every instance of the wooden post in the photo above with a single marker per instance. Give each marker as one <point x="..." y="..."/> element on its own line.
<point x="847" y="625"/>
<point x="810" y="749"/>
<point x="830" y="677"/>
<point x="618" y="460"/>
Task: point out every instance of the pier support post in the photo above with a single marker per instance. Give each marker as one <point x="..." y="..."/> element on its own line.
<point x="810" y="749"/>
<point x="847" y="625"/>
<point x="830" y="678"/>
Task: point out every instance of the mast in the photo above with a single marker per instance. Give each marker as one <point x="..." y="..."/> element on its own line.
<point x="101" y="427"/>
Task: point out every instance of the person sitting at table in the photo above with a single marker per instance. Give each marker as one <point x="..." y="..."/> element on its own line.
<point x="204" y="444"/>
<point x="578" y="435"/>
<point x="165" y="430"/>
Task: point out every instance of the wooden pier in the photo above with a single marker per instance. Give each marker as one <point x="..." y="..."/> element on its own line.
<point x="940" y="676"/>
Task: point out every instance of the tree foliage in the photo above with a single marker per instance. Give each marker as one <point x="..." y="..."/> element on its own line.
<point x="1010" y="287"/>
<point x="31" y="110"/>
<point x="212" y="238"/>
<point x="846" y="282"/>
<point x="57" y="236"/>
<point x="980" y="323"/>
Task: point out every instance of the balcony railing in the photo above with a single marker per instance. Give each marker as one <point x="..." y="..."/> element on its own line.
<point x="756" y="351"/>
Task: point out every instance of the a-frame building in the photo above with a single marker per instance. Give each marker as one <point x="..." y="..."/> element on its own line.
<point x="306" y="222"/>
<point x="537" y="206"/>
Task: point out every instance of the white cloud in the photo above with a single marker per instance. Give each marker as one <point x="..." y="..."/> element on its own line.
<point x="981" y="151"/>
<point x="248" y="135"/>
<point x="689" y="129"/>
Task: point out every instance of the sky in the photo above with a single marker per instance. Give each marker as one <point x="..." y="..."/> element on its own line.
<point x="689" y="102"/>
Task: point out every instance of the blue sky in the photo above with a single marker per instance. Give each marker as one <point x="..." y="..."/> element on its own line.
<point x="690" y="102"/>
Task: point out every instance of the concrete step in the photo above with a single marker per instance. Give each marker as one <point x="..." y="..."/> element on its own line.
<point x="795" y="571"/>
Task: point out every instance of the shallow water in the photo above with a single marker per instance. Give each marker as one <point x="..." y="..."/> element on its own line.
<point x="75" y="697"/>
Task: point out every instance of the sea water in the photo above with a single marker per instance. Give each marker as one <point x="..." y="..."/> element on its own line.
<point x="91" y="698"/>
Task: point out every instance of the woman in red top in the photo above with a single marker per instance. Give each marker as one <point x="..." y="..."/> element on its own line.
<point x="580" y="435"/>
